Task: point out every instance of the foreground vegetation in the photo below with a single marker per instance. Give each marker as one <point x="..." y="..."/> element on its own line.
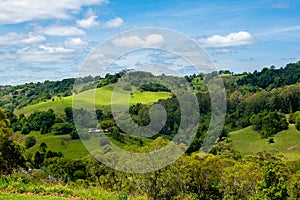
<point x="255" y="157"/>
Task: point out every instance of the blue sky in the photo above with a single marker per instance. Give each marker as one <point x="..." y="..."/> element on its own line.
<point x="49" y="39"/>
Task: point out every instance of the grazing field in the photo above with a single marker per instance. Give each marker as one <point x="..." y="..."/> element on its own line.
<point x="287" y="142"/>
<point x="73" y="148"/>
<point x="102" y="96"/>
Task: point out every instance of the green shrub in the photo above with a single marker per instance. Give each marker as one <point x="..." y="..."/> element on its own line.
<point x="271" y="140"/>
<point x="123" y="196"/>
<point x="62" y="128"/>
<point x="297" y="123"/>
<point x="25" y="130"/>
<point x="30" y="142"/>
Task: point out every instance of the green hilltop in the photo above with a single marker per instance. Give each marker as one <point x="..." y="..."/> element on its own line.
<point x="102" y="100"/>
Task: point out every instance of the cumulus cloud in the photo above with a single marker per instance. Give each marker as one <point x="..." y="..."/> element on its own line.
<point x="134" y="41"/>
<point x="43" y="54"/>
<point x="75" y="43"/>
<point x="13" y="38"/>
<point x="62" y="31"/>
<point x="113" y="23"/>
<point x="232" y="39"/>
<point x="17" y="11"/>
<point x="88" y="22"/>
<point x="55" y="49"/>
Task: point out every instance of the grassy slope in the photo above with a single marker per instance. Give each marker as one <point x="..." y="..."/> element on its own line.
<point x="103" y="100"/>
<point x="287" y="142"/>
<point x="75" y="148"/>
<point x="72" y="148"/>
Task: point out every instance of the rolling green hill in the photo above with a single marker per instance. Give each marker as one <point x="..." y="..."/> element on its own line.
<point x="247" y="141"/>
<point x="103" y="100"/>
<point x="73" y="148"/>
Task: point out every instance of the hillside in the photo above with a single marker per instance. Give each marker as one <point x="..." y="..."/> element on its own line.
<point x="72" y="148"/>
<point x="248" y="142"/>
<point x="103" y="100"/>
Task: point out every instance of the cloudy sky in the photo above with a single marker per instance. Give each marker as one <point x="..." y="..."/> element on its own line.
<point x="49" y="39"/>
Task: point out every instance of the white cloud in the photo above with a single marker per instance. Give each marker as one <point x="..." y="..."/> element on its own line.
<point x="62" y="31"/>
<point x="13" y="38"/>
<point x="55" y="49"/>
<point x="131" y="42"/>
<point x="152" y="40"/>
<point x="232" y="39"/>
<point x="75" y="43"/>
<point x="88" y="22"/>
<point x="113" y="23"/>
<point x="281" y="30"/>
<point x="44" y="54"/>
<point x="17" y="11"/>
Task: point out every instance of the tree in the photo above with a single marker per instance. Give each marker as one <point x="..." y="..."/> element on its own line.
<point x="74" y="135"/>
<point x="294" y="185"/>
<point x="43" y="147"/>
<point x="69" y="114"/>
<point x="296" y="119"/>
<point x="38" y="159"/>
<point x="107" y="124"/>
<point x="62" y="128"/>
<point x="240" y="180"/>
<point x="25" y="130"/>
<point x="30" y="142"/>
<point x="11" y="153"/>
<point x="274" y="185"/>
<point x="269" y="123"/>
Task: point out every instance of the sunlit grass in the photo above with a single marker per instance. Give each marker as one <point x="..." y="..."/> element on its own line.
<point x="102" y="100"/>
<point x="287" y="142"/>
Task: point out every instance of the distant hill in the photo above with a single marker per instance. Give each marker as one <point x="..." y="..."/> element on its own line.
<point x="103" y="95"/>
<point x="14" y="97"/>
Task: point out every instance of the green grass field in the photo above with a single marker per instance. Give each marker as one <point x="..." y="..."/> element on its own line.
<point x="73" y="148"/>
<point x="287" y="142"/>
<point x="70" y="148"/>
<point x="102" y="100"/>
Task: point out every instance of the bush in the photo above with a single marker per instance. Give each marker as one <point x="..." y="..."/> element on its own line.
<point x="106" y="124"/>
<point x="297" y="123"/>
<point x="123" y="196"/>
<point x="30" y="142"/>
<point x="62" y="128"/>
<point x="74" y="135"/>
<point x="25" y="130"/>
<point x="269" y="123"/>
<point x="271" y="140"/>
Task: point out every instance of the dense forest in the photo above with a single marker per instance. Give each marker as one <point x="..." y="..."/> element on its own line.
<point x="268" y="101"/>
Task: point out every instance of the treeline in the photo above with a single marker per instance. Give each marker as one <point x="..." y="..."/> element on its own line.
<point x="273" y="78"/>
<point x="244" y="109"/>
<point x="258" y="99"/>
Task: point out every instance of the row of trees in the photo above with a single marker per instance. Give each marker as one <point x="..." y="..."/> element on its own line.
<point x="273" y="78"/>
